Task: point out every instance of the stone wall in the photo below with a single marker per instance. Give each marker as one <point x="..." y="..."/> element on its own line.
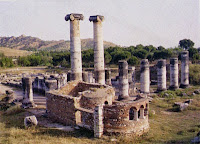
<point x="117" y="118"/>
<point x="61" y="108"/>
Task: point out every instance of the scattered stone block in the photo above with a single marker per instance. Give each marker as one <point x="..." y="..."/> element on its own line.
<point x="195" y="140"/>
<point x="30" y="121"/>
<point x="197" y="91"/>
<point x="182" y="106"/>
<point x="189" y="101"/>
<point x="184" y="94"/>
<point x="153" y="112"/>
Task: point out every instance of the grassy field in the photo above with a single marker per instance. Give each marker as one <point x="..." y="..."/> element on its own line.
<point x="13" y="52"/>
<point x="166" y="126"/>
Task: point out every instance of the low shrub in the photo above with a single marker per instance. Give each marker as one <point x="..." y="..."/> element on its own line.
<point x="168" y="94"/>
<point x="194" y="75"/>
<point x="13" y="110"/>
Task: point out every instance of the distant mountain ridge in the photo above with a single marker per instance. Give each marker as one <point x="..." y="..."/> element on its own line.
<point x="33" y="43"/>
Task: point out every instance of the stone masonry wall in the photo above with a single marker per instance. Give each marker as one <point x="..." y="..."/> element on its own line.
<point x="116" y="118"/>
<point x="61" y="108"/>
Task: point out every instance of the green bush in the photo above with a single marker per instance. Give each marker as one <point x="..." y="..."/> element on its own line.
<point x="194" y="74"/>
<point x="168" y="94"/>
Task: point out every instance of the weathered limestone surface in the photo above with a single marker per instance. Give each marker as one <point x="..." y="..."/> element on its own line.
<point x="61" y="108"/>
<point x="98" y="121"/>
<point x="30" y="121"/>
<point x="144" y="76"/>
<point x="131" y="79"/>
<point x="184" y="69"/>
<point x="98" y="49"/>
<point x="39" y="84"/>
<point x="74" y="104"/>
<point x="28" y="92"/>
<point x="161" y="75"/>
<point x="9" y="96"/>
<point x="90" y="78"/>
<point x="120" y="119"/>
<point x="108" y="76"/>
<point x="173" y="73"/>
<point x="50" y="84"/>
<point x="123" y="80"/>
<point x="85" y="76"/>
<point x="75" y="46"/>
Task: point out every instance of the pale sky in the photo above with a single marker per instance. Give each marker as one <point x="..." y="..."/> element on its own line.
<point x="127" y="22"/>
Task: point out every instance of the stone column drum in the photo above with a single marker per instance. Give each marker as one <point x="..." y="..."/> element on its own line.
<point x="108" y="76"/>
<point x="144" y="76"/>
<point x="173" y="73"/>
<point x="161" y="75"/>
<point x="28" y="92"/>
<point x="131" y="79"/>
<point x="98" y="49"/>
<point x="98" y="121"/>
<point x="85" y="76"/>
<point x="184" y="69"/>
<point x="75" y="46"/>
<point x="123" y="80"/>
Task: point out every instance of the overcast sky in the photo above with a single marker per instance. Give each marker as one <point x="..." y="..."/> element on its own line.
<point x="127" y="22"/>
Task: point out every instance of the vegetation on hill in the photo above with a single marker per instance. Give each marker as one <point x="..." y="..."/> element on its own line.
<point x="33" y="44"/>
<point x="133" y="54"/>
<point x="14" y="52"/>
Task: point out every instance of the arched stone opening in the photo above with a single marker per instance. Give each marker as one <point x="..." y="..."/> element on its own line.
<point x="141" y="112"/>
<point x="133" y="114"/>
<point x="146" y="110"/>
<point x="106" y="102"/>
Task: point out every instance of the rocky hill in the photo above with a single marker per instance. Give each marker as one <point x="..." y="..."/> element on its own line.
<point x="32" y="43"/>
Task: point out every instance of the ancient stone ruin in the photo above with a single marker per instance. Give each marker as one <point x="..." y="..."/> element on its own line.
<point x="89" y="100"/>
<point x="92" y="99"/>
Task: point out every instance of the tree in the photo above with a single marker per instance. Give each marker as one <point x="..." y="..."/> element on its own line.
<point x="195" y="58"/>
<point x="108" y="57"/>
<point x="120" y="55"/>
<point x="133" y="61"/>
<point x="186" y="44"/>
<point x="141" y="53"/>
<point x="64" y="63"/>
<point x="164" y="54"/>
<point x="150" y="48"/>
<point x="192" y="51"/>
<point x="160" y="48"/>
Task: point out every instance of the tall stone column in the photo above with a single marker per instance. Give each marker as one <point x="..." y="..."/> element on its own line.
<point x="28" y="92"/>
<point x="75" y="46"/>
<point x="161" y="75"/>
<point x="144" y="76"/>
<point x="173" y="73"/>
<point x="98" y="49"/>
<point x="184" y="69"/>
<point x="123" y="80"/>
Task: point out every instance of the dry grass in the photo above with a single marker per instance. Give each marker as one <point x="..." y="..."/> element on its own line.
<point x="13" y="52"/>
<point x="19" y="70"/>
<point x="166" y="126"/>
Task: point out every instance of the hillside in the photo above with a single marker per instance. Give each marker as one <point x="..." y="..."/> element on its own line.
<point x="32" y="43"/>
<point x="13" y="52"/>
